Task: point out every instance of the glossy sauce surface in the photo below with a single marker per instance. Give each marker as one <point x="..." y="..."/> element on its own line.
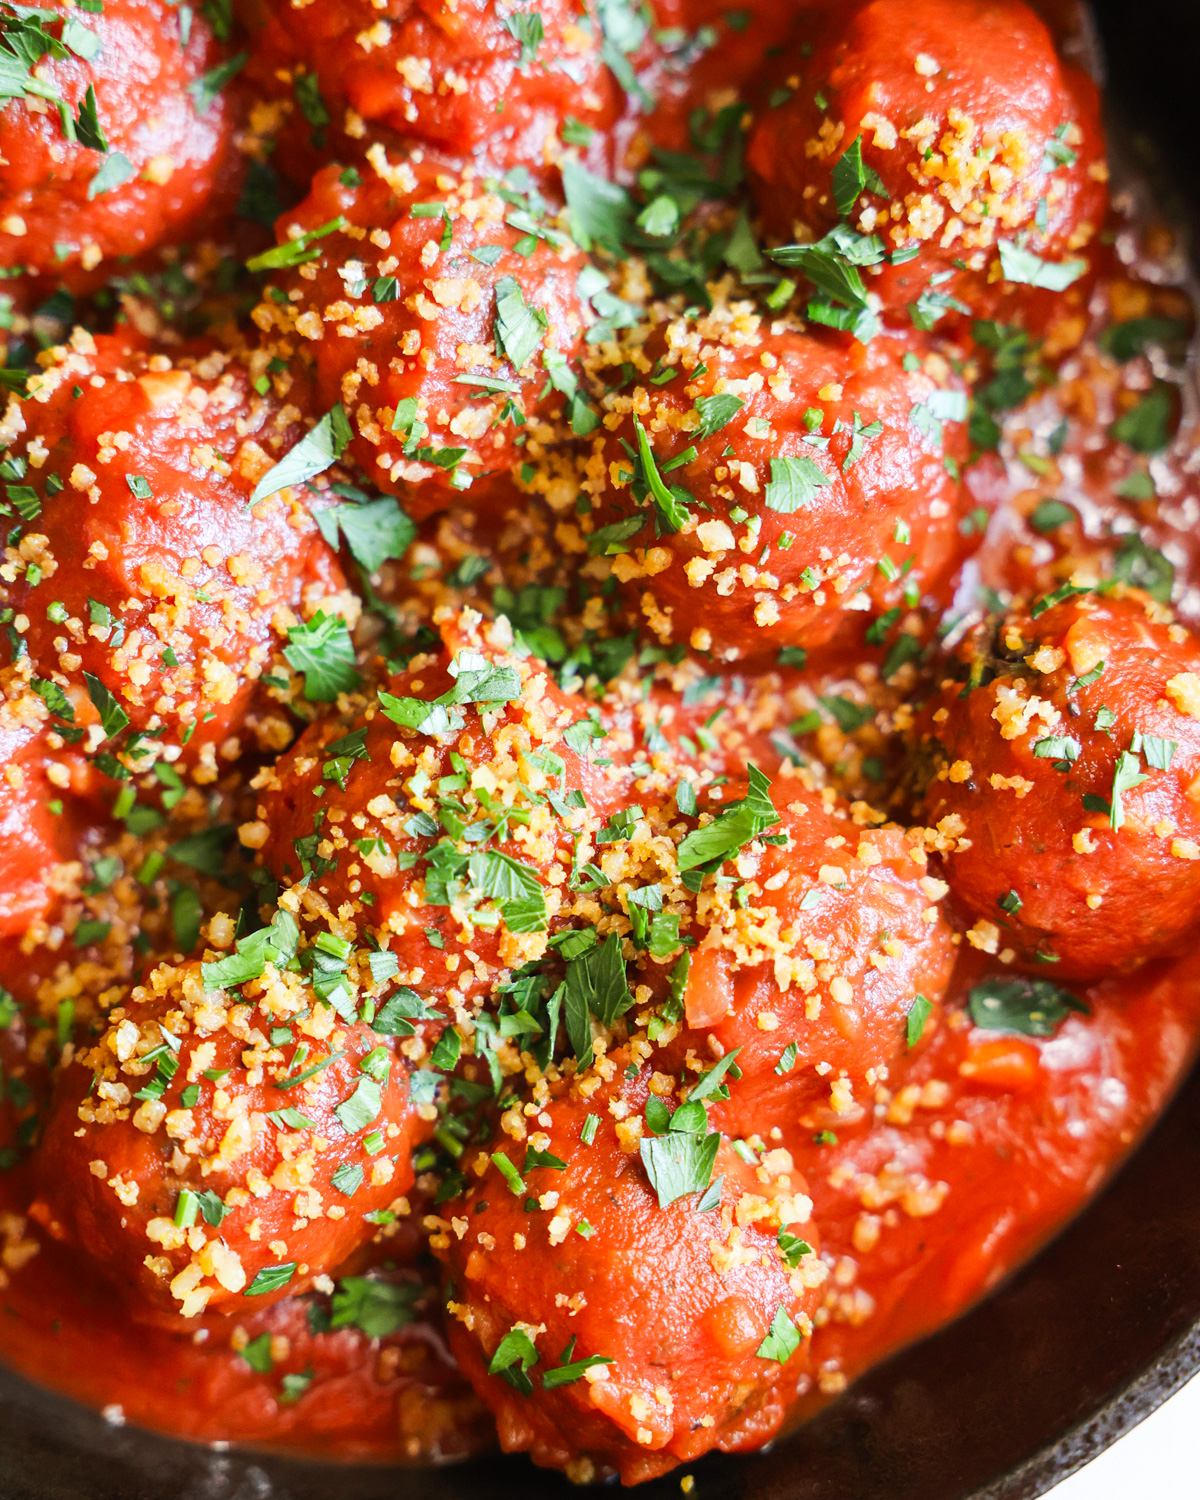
<point x="954" y="1148"/>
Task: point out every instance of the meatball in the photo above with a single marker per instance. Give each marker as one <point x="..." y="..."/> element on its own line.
<point x="1062" y="782"/>
<point x="784" y="484"/>
<point x="952" y="131"/>
<point x="663" y="1326"/>
<point x="444" y="331"/>
<point x="215" y="1146"/>
<point x="140" y="151"/>
<point x="817" y="960"/>
<point x="438" y="825"/>
<point x="154" y="591"/>
<point x="479" y="79"/>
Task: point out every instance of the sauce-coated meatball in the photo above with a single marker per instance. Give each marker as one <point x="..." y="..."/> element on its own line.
<point x="948" y="128"/>
<point x="473" y="78"/>
<point x="1063" y="783"/>
<point x="432" y="319"/>
<point x="435" y="825"/>
<point x="215" y="1146"/>
<point x="816" y="964"/>
<point x="145" y="574"/>
<point x="150" y="158"/>
<point x="694" y="1311"/>
<point x="799" y="482"/>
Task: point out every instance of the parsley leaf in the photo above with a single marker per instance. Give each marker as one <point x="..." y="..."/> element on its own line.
<point x="269" y="945"/>
<point x="600" y="211"/>
<point x="782" y="1340"/>
<point x="396" y="1015"/>
<point x="669" y="501"/>
<point x="918" y="1014"/>
<point x="204" y="851"/>
<point x="513" y="886"/>
<point x="313" y="454"/>
<point x="323" y="651"/>
<point x="376" y="1307"/>
<point x="519" y="327"/>
<point x="515" y="1355"/>
<point x="679" y="1163"/>
<point x="565" y="1374"/>
<point x="115" y="171"/>
<point x="376" y="531"/>
<point x="1144" y="567"/>
<point x="1146" y="426"/>
<point x="1159" y="753"/>
<point x="851" y="176"/>
<point x="113" y="717"/>
<point x="792" y="1248"/>
<point x="1125" y="341"/>
<point x="361" y="1108"/>
<point x="525" y="26"/>
<point x="715" y="412"/>
<point x="206" y="89"/>
<point x="735" y="826"/>
<point x="270" y="1279"/>
<point x="1127" y="774"/>
<point x="793" y="484"/>
<point x="860" y="435"/>
<point x="295" y="252"/>
<point x="1027" y="269"/>
<point x="596" y="984"/>
<point x="1032" y="1007"/>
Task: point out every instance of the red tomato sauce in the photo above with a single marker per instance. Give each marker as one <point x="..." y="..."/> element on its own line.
<point x="599" y="821"/>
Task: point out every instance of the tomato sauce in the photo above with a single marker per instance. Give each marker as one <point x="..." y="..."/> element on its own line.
<point x="599" y="812"/>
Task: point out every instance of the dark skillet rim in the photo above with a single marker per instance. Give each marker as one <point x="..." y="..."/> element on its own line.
<point x="1168" y="1373"/>
<point x="53" y="1449"/>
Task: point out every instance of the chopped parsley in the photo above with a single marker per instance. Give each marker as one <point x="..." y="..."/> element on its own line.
<point x="851" y="176"/>
<point x="519" y="327"/>
<point x="732" y="829"/>
<point x="206" y="89"/>
<point x="373" y="1306"/>
<point x="679" y="1163"/>
<point x="1027" y="269"/>
<point x="525" y="27"/>
<point x="918" y="1014"/>
<point x="782" y="1340"/>
<point x="375" y="529"/>
<point x="715" y="412"/>
<point x="515" y="1356"/>
<point x="313" y="454"/>
<point x="323" y="652"/>
<point x="1032" y="1007"/>
<point x="271" y="1279"/>
<point x="793" y="484"/>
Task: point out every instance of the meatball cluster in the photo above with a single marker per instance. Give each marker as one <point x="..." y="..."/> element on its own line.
<point x="511" y="666"/>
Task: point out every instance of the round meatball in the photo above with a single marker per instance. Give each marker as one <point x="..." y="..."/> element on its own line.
<point x="818" y="960"/>
<point x="682" y="1322"/>
<point x="951" y="130"/>
<point x="155" y="593"/>
<point x="444" y="331"/>
<point x="146" y="156"/>
<point x="447" y="830"/>
<point x="217" y="1150"/>
<point x="1062" y="783"/>
<point x="481" y="79"/>
<point x="785" y="484"/>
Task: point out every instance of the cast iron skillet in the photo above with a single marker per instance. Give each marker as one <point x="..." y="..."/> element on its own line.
<point x="1072" y="1352"/>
